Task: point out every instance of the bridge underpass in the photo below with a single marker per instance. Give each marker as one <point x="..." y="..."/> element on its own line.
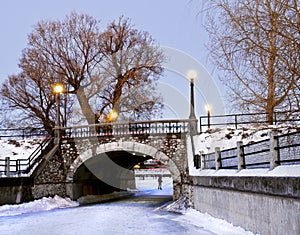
<point x="110" y="172"/>
<point x="106" y="173"/>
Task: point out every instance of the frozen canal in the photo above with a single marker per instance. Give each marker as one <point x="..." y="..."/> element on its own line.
<point x="134" y="215"/>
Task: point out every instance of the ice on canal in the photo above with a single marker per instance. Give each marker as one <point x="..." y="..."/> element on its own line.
<point x="140" y="214"/>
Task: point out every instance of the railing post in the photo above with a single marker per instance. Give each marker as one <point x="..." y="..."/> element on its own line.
<point x="274" y="151"/>
<point x="200" y="124"/>
<point x="7" y="166"/>
<point x="202" y="160"/>
<point x="218" y="158"/>
<point x="17" y="165"/>
<point x="197" y="162"/>
<point x="19" y="171"/>
<point x="240" y="155"/>
<point x="235" y="120"/>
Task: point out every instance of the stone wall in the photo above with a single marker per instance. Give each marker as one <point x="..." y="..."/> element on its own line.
<point x="15" y="190"/>
<point x="51" y="179"/>
<point x="172" y="145"/>
<point x="264" y="205"/>
<point x="49" y="190"/>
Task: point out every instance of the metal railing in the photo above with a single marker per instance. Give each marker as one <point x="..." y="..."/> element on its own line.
<point x="228" y="158"/>
<point x="159" y="127"/>
<point x="254" y="155"/>
<point x="10" y="167"/>
<point x="257" y="154"/>
<point x="209" y="161"/>
<point x="22" y="133"/>
<point x="240" y="120"/>
<point x="288" y="148"/>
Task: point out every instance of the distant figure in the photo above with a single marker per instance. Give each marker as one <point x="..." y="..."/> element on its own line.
<point x="159" y="180"/>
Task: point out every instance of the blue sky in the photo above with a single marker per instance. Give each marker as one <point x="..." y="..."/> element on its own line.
<point x="173" y="23"/>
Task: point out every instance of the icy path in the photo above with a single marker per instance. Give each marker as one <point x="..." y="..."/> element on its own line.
<point x="135" y="215"/>
<point x="131" y="216"/>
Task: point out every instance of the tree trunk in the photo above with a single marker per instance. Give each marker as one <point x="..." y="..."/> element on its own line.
<point x="85" y="106"/>
<point x="270" y="115"/>
<point x="271" y="75"/>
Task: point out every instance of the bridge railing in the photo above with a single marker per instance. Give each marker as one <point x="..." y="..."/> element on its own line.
<point x="159" y="127"/>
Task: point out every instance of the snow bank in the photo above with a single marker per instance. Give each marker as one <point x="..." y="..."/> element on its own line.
<point x="202" y="220"/>
<point x="212" y="224"/>
<point x="179" y="206"/>
<point x="43" y="204"/>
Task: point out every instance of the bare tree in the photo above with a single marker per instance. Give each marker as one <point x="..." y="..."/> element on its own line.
<point x="70" y="50"/>
<point x="37" y="105"/>
<point x="256" y="46"/>
<point x="101" y="69"/>
<point x="131" y="63"/>
<point x="32" y="101"/>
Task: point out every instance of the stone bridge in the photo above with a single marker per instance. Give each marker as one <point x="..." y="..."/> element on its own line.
<point x="98" y="159"/>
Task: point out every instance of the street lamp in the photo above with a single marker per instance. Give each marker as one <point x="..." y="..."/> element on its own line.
<point x="58" y="89"/>
<point x="192" y="74"/>
<point x="207" y="107"/>
<point x="112" y="115"/>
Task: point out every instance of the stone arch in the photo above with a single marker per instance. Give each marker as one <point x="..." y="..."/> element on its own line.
<point x="129" y="147"/>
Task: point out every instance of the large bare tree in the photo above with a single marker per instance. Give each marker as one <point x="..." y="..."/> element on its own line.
<point x="131" y="64"/>
<point x="256" y="45"/>
<point x="100" y="68"/>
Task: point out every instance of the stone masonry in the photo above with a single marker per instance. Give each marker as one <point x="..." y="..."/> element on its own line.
<point x="56" y="177"/>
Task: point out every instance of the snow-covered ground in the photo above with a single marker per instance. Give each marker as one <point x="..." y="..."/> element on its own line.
<point x="44" y="204"/>
<point x="18" y="149"/>
<point x="142" y="214"/>
<point x="227" y="138"/>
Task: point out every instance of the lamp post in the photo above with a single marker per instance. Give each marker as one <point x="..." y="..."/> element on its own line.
<point x="193" y="120"/>
<point x="207" y="107"/>
<point x="57" y="90"/>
